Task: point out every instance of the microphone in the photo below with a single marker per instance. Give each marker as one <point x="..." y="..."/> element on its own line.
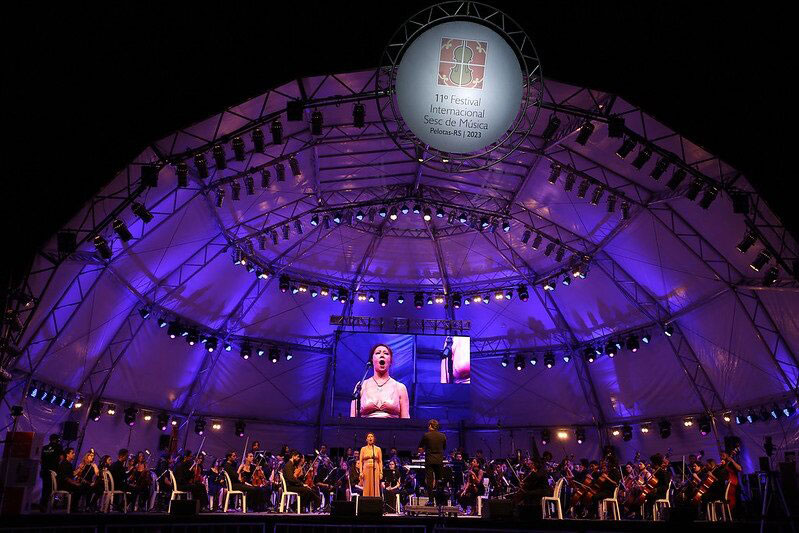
<point x="446" y="351"/>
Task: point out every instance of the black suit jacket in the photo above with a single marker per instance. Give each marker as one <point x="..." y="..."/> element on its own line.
<point x="434" y="443"/>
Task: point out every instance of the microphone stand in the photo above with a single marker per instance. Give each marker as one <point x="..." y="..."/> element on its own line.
<point x="356" y="394"/>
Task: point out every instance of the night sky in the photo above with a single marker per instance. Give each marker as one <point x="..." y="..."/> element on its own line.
<point x="87" y="88"/>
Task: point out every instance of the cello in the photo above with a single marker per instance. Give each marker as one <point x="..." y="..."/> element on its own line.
<point x="651" y="484"/>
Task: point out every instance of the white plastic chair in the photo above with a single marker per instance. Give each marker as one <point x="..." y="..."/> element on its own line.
<point x="614" y="506"/>
<point x="107" y="499"/>
<point x="175" y="492"/>
<point x="230" y="492"/>
<point x="286" y="495"/>
<point x="726" y="513"/>
<point x="555" y="500"/>
<point x="662" y="503"/>
<point x="55" y="492"/>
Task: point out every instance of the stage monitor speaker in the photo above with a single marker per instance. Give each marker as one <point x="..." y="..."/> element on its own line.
<point x="163" y="441"/>
<point x="185" y="507"/>
<point x="70" y="431"/>
<point x="497" y="509"/>
<point x="370" y="506"/>
<point x="342" y="508"/>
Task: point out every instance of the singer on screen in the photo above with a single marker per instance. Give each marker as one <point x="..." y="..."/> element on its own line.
<point x="456" y="360"/>
<point x="381" y="395"/>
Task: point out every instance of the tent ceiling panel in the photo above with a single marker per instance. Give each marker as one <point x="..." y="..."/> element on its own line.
<point x="782" y="308"/>
<point x="519" y="324"/>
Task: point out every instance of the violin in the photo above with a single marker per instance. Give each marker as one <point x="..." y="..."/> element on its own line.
<point x="712" y="477"/>
<point x="258" y="477"/>
<point x="298" y="469"/>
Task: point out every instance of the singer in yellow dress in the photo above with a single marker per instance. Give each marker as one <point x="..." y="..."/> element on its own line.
<point x="370" y="463"/>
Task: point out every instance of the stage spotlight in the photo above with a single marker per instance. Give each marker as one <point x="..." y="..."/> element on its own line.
<point x="749" y="239"/>
<point x="260" y="351"/>
<point x="95" y="410"/>
<point x="274" y="355"/>
<point x="173" y="330"/>
<point x="727" y="417"/>
<point x="645" y="338"/>
<point x="632" y="343"/>
<point x="693" y="189"/>
<point x="383" y="298"/>
<point x="537" y="242"/>
<point x="688" y="421"/>
<point x="549" y="359"/>
<point x="582" y="189"/>
<point x="566" y="280"/>
<point x="486" y="298"/>
<point x="343" y="295"/>
<point x="626" y="433"/>
<point x="704" y="425"/>
<point x="533" y="360"/>
<point x="645" y="428"/>
<point x="220" y="160"/>
<point x="193" y="337"/>
<point x="144" y="312"/>
<point x="182" y="173"/>
<point x="751" y="417"/>
<point x="509" y="294"/>
<point x="199" y="426"/>
<point x="568" y="183"/>
<point x="111" y="410"/>
<point x="239" y="428"/>
<point x="284" y="283"/>
<point x="625" y="210"/>
<point x="739" y="418"/>
<point x="294" y="165"/>
<point x="589" y="354"/>
<point x="201" y="165"/>
<point x="130" y="416"/>
<point x="456" y="300"/>
<point x="163" y="421"/>
<point x="78" y="403"/>
<point x="289" y="356"/>
<point x="358" y="115"/>
<point x="676" y="179"/>
<point x="400" y="298"/>
<point x="280" y="171"/>
<point x="499" y="295"/>
<point x="276" y="129"/>
<point x="626" y="147"/>
<point x="184" y="331"/>
<point x="440" y="213"/>
<point x="760" y="261"/>
<point x="771" y="276"/>
<point x="337" y="216"/>
<point x="611" y="203"/>
<point x="664" y="427"/>
<point x="554" y="172"/>
<point x="567" y="357"/>
<point x="467" y="301"/>
<point x="643" y="156"/>
<point x="451" y="217"/>
<point x="430" y="299"/>
<point x="315" y="220"/>
<point x="523" y="294"/>
<point x="551" y="128"/>
<point x="560" y="253"/>
<point x="265" y="178"/>
<point x="102" y="247"/>
<point x="518" y="362"/>
<point x="549" y="285"/>
<point x="462" y="218"/>
<point x="477" y="299"/>
<point x="562" y="434"/>
<point x="317" y="120"/>
<point x="549" y="249"/>
<point x="258" y="142"/>
<point x="611" y="349"/>
<point x="545" y="437"/>
<point x="505" y="361"/>
<point x="393" y="213"/>
<point x="239" y="152"/>
<point x="211" y="344"/>
<point x="273" y="236"/>
<point x="789" y="409"/>
<point x="428" y="215"/>
<point x="246" y="351"/>
<point x="707" y="198"/>
<point x="597" y="195"/>
<point x="220" y="196"/>
<point x="585" y="132"/>
<point x="371" y="297"/>
<point x="121" y="229"/>
<point x="382" y="211"/>
<point x="668" y="330"/>
<point x="659" y="169"/>
<point x="249" y="185"/>
<point x="579" y="433"/>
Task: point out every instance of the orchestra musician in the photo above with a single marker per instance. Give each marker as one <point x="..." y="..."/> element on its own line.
<point x="294" y="483"/>
<point x="88" y="475"/>
<point x="119" y="470"/>
<point x="251" y="481"/>
<point x="189" y="478"/>
<point x="392" y="480"/>
<point x="140" y="482"/>
<point x="66" y="477"/>
<point x="733" y="469"/>
<point x="472" y="487"/>
<point x="382" y="396"/>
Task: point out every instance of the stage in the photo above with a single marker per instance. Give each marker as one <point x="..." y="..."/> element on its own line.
<point x="278" y="523"/>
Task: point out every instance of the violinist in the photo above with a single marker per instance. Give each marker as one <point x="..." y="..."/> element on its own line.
<point x="294" y="483"/>
<point x="66" y="477"/>
<point x="139" y="481"/>
<point x="88" y="475"/>
<point x="215" y="478"/>
<point x="391" y="484"/>
<point x="119" y="470"/>
<point x="472" y="487"/>
<point x="534" y="485"/>
<point x="99" y="486"/>
<point x="188" y="481"/>
<point x="251" y="482"/>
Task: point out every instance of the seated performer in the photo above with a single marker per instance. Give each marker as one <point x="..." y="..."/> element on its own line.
<point x="187" y="481"/>
<point x="251" y="481"/>
<point x="391" y="485"/>
<point x="534" y="486"/>
<point x="472" y="487"/>
<point x="293" y="484"/>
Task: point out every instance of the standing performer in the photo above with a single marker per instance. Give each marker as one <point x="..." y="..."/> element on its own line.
<point x="382" y="396"/>
<point x="434" y="442"/>
<point x="370" y="465"/>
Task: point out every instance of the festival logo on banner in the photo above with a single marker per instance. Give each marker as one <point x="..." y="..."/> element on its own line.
<point x="462" y="63"/>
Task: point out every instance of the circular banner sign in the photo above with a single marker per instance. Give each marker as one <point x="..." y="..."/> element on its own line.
<point x="459" y="87"/>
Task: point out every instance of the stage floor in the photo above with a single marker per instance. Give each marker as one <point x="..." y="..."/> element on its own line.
<point x="323" y="523"/>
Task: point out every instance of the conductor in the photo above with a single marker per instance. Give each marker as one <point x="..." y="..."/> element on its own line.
<point x="434" y="442"/>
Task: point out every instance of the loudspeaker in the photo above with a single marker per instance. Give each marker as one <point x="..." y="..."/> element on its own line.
<point x="494" y="509"/>
<point x="163" y="441"/>
<point x="370" y="506"/>
<point x="342" y="508"/>
<point x="70" y="431"/>
<point x="185" y="507"/>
